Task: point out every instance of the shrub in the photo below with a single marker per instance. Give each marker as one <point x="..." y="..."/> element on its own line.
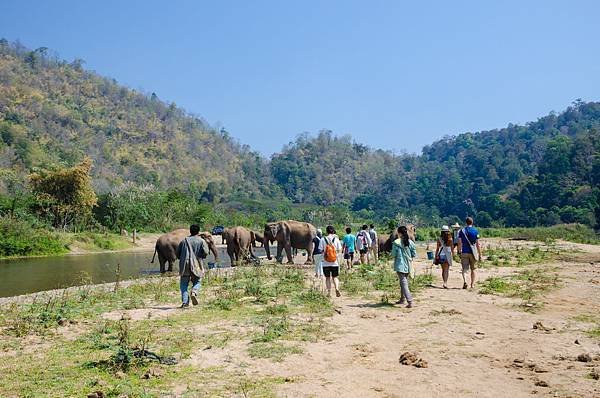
<point x="18" y="238"/>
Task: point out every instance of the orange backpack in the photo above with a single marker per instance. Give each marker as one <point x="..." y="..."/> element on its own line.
<point x="330" y="251"/>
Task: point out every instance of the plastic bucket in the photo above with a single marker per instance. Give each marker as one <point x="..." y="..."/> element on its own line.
<point x="429" y="255"/>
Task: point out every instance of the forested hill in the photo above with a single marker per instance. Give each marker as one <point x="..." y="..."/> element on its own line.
<point x="56" y="113"/>
<point x="541" y="173"/>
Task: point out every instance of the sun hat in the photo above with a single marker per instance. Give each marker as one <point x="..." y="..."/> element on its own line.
<point x="456" y="226"/>
<point x="445" y="228"/>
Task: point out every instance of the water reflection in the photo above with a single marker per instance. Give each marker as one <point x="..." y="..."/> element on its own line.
<point x="22" y="276"/>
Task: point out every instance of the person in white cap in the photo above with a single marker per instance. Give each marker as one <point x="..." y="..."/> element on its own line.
<point x="455" y="230"/>
<point x="444" y="252"/>
<point x="319" y="248"/>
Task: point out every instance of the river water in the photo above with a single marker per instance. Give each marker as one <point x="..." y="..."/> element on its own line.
<point x="30" y="275"/>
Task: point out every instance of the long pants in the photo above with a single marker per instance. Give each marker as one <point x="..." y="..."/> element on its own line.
<point x="318" y="260"/>
<point x="183" y="286"/>
<point x="404" y="292"/>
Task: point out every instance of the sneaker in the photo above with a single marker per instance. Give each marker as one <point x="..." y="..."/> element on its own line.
<point x="337" y="293"/>
<point x="464" y="286"/>
<point x="400" y="302"/>
<point x="184" y="305"/>
<point x="409" y="305"/>
<point x="194" y="298"/>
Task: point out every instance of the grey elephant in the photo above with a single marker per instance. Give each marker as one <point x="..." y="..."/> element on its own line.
<point x="166" y="246"/>
<point x="290" y="235"/>
<point x="387" y="245"/>
<point x="239" y="243"/>
<point x="257" y="237"/>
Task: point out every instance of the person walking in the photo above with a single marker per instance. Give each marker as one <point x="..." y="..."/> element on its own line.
<point x="363" y="241"/>
<point x="191" y="253"/>
<point x="444" y="253"/>
<point x="403" y="252"/>
<point x="455" y="231"/>
<point x="348" y="247"/>
<point x="469" y="249"/>
<point x="374" y="243"/>
<point x="331" y="267"/>
<point x="319" y="248"/>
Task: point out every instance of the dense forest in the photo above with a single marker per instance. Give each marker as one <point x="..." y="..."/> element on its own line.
<point x="150" y="161"/>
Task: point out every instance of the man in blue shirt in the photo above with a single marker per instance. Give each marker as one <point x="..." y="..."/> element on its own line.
<point x="348" y="247"/>
<point x="469" y="249"/>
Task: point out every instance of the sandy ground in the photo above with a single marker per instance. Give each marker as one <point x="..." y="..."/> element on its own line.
<point x="474" y="345"/>
<point x="479" y="346"/>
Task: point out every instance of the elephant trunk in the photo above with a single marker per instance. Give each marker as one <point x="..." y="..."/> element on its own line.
<point x="213" y="249"/>
<point x="267" y="244"/>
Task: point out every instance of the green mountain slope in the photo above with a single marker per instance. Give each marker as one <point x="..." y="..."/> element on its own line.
<point x="53" y="112"/>
<point x="544" y="172"/>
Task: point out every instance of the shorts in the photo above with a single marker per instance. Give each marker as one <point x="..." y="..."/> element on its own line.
<point x="364" y="251"/>
<point x="468" y="261"/>
<point x="331" y="271"/>
<point x="349" y="256"/>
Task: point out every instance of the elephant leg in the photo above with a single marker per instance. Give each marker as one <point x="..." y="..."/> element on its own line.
<point x="238" y="254"/>
<point x="279" y="257"/>
<point x="231" y="256"/>
<point x="288" y="251"/>
<point x="171" y="265"/>
<point x="309" y="254"/>
<point x="162" y="261"/>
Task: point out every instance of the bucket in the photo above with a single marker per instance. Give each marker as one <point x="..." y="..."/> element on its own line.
<point x="430" y="255"/>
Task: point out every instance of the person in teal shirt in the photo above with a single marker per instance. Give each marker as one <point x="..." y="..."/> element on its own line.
<point x="403" y="252"/>
<point x="348" y="247"/>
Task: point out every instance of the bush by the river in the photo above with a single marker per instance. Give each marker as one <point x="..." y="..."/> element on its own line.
<point x="19" y="238"/>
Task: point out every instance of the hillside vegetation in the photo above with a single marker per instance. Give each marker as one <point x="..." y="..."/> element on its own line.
<point x="154" y="166"/>
<point x="56" y="113"/>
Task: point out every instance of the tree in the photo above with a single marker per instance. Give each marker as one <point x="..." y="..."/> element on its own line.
<point x="65" y="196"/>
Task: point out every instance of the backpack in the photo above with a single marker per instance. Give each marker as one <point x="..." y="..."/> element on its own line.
<point x="362" y="238"/>
<point x="317" y="245"/>
<point x="330" y="251"/>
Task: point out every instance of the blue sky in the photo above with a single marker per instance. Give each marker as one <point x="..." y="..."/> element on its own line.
<point x="395" y="75"/>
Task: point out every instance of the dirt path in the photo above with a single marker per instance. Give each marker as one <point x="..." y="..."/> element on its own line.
<point x="474" y="345"/>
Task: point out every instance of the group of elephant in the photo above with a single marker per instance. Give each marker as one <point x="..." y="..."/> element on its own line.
<point x="290" y="235"/>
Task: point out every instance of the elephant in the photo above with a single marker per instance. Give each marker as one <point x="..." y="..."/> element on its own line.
<point x="239" y="241"/>
<point x="166" y="246"/>
<point x="387" y="245"/>
<point x="257" y="237"/>
<point x="290" y="235"/>
<point x="381" y="239"/>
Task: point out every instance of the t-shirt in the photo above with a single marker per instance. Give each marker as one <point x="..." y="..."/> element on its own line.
<point x="373" y="236"/>
<point x="333" y="239"/>
<point x="319" y="245"/>
<point x="367" y="239"/>
<point x="472" y="235"/>
<point x="199" y="247"/>
<point x="350" y="241"/>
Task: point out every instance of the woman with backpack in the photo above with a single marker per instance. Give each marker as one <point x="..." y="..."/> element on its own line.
<point x="444" y="253"/>
<point x="403" y="252"/>
<point x="331" y="267"/>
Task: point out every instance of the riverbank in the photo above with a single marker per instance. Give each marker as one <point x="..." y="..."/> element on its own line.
<point x="268" y="331"/>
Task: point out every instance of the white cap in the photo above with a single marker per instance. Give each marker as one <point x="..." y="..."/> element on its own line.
<point x="319" y="231"/>
<point x="445" y="228"/>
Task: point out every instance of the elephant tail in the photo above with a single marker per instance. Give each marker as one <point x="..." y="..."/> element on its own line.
<point x="154" y="255"/>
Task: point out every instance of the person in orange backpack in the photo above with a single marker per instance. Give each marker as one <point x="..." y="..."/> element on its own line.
<point x="331" y="267"/>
